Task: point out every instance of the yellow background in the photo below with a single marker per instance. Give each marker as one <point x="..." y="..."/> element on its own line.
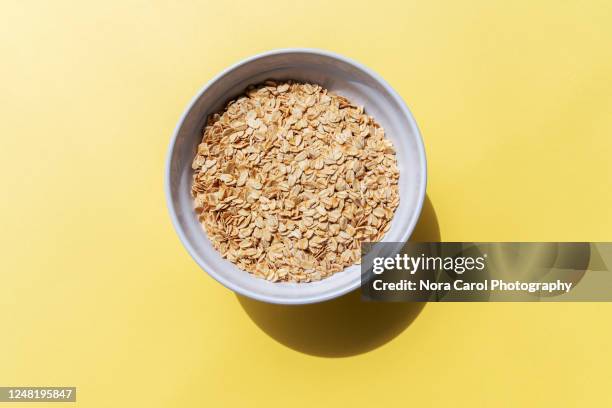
<point x="514" y="100"/>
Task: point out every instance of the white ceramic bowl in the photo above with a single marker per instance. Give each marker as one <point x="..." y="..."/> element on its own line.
<point x="336" y="73"/>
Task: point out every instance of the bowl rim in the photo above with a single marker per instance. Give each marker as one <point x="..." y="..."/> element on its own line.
<point x="202" y="263"/>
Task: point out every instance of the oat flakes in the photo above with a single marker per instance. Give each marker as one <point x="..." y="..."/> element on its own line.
<point x="290" y="179"/>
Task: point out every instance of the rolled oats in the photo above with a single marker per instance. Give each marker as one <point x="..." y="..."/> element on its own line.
<point x="289" y="180"/>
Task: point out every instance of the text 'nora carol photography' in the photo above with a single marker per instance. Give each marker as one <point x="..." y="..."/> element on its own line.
<point x="465" y="271"/>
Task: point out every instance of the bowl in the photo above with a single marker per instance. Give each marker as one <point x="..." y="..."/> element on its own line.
<point x="336" y="73"/>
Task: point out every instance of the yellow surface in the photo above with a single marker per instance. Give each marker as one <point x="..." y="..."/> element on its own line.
<point x="514" y="100"/>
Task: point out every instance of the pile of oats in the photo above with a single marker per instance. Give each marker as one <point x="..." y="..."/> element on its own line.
<point x="290" y="179"/>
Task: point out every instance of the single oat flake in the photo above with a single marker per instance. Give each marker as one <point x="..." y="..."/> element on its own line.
<point x="289" y="180"/>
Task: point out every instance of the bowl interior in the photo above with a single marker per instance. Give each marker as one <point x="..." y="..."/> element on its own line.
<point x="338" y="75"/>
